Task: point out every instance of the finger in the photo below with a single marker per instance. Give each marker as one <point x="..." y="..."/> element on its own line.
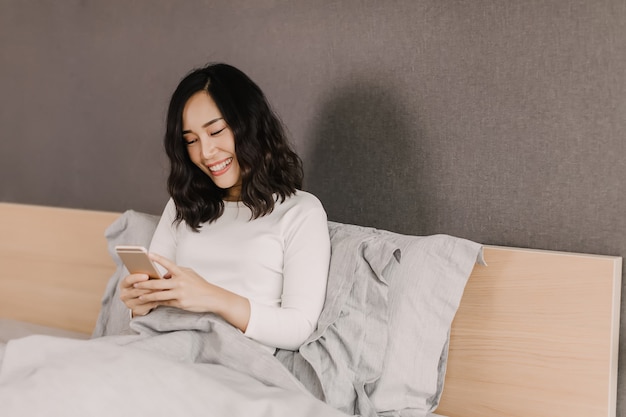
<point x="165" y="263"/>
<point x="134" y="293"/>
<point x="131" y="298"/>
<point x="173" y="303"/>
<point x="157" y="296"/>
<point x="144" y="309"/>
<point x="138" y="303"/>
<point x="155" y="285"/>
<point x="131" y="279"/>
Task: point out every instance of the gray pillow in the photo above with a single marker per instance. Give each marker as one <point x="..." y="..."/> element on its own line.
<point x="131" y="228"/>
<point x="424" y="295"/>
<point x="381" y="343"/>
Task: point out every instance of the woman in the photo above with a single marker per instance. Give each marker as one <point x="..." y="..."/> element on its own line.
<point x="237" y="237"/>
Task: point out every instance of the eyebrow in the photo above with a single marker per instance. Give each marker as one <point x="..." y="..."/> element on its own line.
<point x="207" y="124"/>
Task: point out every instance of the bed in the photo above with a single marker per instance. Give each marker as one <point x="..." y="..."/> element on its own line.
<point x="530" y="333"/>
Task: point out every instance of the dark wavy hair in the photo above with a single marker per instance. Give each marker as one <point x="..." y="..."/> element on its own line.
<point x="270" y="169"/>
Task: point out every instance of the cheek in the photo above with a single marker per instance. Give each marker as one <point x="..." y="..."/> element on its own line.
<point x="236" y="163"/>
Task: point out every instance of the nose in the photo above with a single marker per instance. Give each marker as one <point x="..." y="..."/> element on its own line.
<point x="208" y="148"/>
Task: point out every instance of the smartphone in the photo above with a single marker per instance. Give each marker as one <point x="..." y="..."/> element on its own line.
<point x="137" y="261"/>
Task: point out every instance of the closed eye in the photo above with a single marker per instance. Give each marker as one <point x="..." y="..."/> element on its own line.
<point x="218" y="132"/>
<point x="190" y="141"/>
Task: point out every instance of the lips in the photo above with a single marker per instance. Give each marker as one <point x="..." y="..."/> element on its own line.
<point x="220" y="167"/>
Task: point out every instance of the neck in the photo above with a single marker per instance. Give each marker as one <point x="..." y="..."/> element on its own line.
<point x="233" y="194"/>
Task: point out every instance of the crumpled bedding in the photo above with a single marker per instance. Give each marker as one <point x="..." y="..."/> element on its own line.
<point x="178" y="364"/>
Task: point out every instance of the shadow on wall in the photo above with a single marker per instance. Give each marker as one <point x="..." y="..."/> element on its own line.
<point x="364" y="165"/>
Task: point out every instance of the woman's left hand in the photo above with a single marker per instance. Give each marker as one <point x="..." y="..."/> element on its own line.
<point x="185" y="289"/>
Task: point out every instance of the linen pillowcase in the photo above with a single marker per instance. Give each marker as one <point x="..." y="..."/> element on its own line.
<point x="404" y="367"/>
<point x="131" y="228"/>
<point x="424" y="294"/>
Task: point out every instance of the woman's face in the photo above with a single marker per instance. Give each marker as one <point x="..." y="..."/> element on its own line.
<point x="211" y="143"/>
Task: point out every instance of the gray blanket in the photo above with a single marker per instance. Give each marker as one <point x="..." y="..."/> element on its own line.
<point x="207" y="369"/>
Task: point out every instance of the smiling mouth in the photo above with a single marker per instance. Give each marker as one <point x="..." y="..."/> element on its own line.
<point x="219" y="167"/>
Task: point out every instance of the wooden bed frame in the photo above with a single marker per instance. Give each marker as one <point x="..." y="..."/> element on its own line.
<point x="536" y="333"/>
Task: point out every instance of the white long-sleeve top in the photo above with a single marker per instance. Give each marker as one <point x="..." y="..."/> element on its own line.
<point x="278" y="261"/>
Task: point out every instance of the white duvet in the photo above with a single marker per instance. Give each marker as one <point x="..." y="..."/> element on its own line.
<point x="208" y="369"/>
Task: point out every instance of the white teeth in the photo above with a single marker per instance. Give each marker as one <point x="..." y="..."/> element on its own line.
<point x="220" y="166"/>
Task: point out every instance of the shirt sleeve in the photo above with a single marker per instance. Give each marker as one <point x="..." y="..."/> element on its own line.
<point x="305" y="274"/>
<point x="164" y="239"/>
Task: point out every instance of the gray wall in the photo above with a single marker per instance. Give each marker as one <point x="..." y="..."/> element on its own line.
<point x="499" y="121"/>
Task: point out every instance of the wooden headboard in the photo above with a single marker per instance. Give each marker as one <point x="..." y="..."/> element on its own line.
<point x="55" y="265"/>
<point x="536" y="333"/>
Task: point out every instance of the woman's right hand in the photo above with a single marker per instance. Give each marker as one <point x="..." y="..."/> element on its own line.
<point x="130" y="295"/>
